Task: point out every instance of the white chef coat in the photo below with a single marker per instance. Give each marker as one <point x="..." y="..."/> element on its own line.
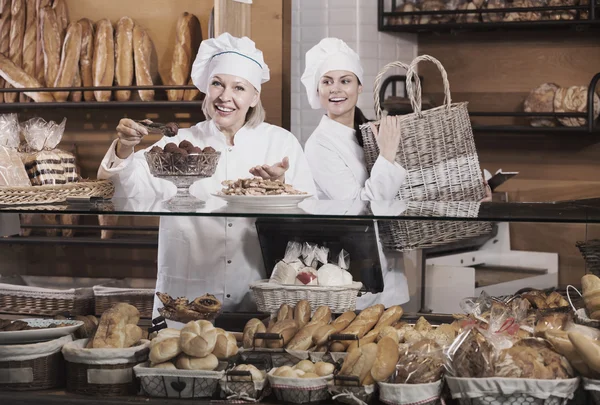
<point x="338" y="165"/>
<point x="198" y="255"/>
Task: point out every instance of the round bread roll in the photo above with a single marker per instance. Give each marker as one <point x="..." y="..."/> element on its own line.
<point x="167" y="365"/>
<point x="226" y="346"/>
<point x="323" y="369"/>
<point x="165" y="350"/>
<point x="337" y="347"/>
<point x="284" y="370"/>
<point x="207" y="363"/>
<point x="573" y="100"/>
<point x="253" y="327"/>
<point x="255" y="374"/>
<point x="541" y="100"/>
<point x="305" y="365"/>
<point x="198" y="338"/>
<point x="310" y="375"/>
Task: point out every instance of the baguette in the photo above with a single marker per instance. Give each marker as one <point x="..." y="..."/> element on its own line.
<point x="322" y="315"/>
<point x="30" y="42"/>
<point x="76" y="96"/>
<point x="386" y="359"/>
<point x="389" y="317"/>
<point x="124" y="57"/>
<point x="4" y="35"/>
<point x="17" y="32"/>
<point x="343" y="321"/>
<point x="302" y="313"/>
<point x="303" y="340"/>
<point x="69" y="63"/>
<point x="142" y="54"/>
<point x="285" y="312"/>
<point x="191" y="95"/>
<point x="87" y="57"/>
<point x="39" y="53"/>
<point x="370" y="337"/>
<point x="253" y="327"/>
<point x="104" y="59"/>
<point x="286" y="329"/>
<point x="19" y="79"/>
<point x="51" y="45"/>
<point x="187" y="40"/>
<point x="62" y="17"/>
<point x="321" y="335"/>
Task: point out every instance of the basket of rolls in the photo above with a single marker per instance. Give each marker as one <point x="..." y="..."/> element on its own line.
<point x="103" y="365"/>
<point x="246" y="382"/>
<point x="305" y="383"/>
<point x="187" y="363"/>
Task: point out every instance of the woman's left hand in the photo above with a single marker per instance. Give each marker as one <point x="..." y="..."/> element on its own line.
<point x="488" y="192"/>
<point x="274" y="172"/>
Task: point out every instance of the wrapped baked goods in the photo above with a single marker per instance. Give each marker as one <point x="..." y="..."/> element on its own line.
<point x="12" y="170"/>
<point x="42" y="162"/>
<point x="420" y="363"/>
<point x="541" y="100"/>
<point x="285" y="271"/>
<point x="574" y="99"/>
<point x="532" y="358"/>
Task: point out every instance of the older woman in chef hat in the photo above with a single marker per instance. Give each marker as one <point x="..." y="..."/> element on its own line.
<point x="333" y="80"/>
<point x="220" y="256"/>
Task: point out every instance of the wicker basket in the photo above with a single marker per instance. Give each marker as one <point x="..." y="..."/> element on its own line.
<point x="590" y="250"/>
<point x="137" y="292"/>
<point x="511" y="391"/>
<point x="55" y="194"/>
<point x="102" y="372"/>
<point x="31" y="367"/>
<point x="405" y="394"/>
<point x="592" y="388"/>
<point x="47" y="295"/>
<point x="270" y="296"/>
<point x="438" y="152"/>
<point x="299" y="390"/>
<point x="351" y="393"/>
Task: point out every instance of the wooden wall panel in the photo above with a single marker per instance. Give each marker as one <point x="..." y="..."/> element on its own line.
<point x="495" y="72"/>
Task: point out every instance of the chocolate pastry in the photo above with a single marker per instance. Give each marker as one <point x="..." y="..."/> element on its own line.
<point x="181" y="310"/>
<point x="170" y="129"/>
<point x="209" y="149"/>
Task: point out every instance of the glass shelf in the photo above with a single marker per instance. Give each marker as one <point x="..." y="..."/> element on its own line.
<point x="579" y="211"/>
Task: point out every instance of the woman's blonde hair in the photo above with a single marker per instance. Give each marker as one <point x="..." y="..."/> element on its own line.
<point x="254" y="117"/>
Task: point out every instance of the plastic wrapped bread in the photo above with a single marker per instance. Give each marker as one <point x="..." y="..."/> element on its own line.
<point x="42" y="163"/>
<point x="12" y="171"/>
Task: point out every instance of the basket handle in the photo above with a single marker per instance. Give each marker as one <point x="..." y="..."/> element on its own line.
<point x="569" y="296"/>
<point x="415" y="94"/>
<point x="379" y="80"/>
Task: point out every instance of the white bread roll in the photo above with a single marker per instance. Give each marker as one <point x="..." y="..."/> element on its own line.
<point x="226" y="346"/>
<point x="165" y="350"/>
<point x="279" y="372"/>
<point x="207" y="363"/>
<point x="198" y="338"/>
<point x="255" y="374"/>
<point x="166" y="366"/>
<point x="305" y="365"/>
<point x="323" y="369"/>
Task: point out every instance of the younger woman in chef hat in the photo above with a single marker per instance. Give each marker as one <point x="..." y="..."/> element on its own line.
<point x="220" y="256"/>
<point x="333" y="80"/>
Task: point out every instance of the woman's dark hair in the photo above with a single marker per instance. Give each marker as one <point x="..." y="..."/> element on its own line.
<point x="359" y="119"/>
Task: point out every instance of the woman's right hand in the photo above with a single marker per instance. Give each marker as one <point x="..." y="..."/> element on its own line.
<point x="130" y="134"/>
<point x="388" y="137"/>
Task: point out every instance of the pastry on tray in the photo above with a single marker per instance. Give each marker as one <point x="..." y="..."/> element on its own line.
<point x="184" y="311"/>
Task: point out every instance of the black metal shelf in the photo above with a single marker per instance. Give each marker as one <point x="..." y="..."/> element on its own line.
<point x="116" y="241"/>
<point x="579" y="23"/>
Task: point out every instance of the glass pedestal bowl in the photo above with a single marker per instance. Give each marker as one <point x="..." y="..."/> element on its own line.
<point x="182" y="171"/>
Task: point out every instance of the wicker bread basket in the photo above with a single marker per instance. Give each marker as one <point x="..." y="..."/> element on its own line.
<point x="103" y="372"/>
<point x="55" y="194"/>
<point x="270" y="296"/>
<point x="30" y="367"/>
<point x="137" y="292"/>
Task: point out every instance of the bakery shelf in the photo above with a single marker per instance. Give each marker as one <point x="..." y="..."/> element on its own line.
<point x="160" y="102"/>
<point x="124" y="241"/>
<point x="584" y="18"/>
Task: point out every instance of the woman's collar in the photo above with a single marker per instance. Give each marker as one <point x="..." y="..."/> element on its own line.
<point x="339" y="129"/>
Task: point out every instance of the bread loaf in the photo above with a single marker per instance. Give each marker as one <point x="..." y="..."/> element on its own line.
<point x="87" y="57"/>
<point x="187" y="41"/>
<point x="303" y="340"/>
<point x="286" y="329"/>
<point x="389" y="317"/>
<point x="51" y="45"/>
<point x="359" y="362"/>
<point x="541" y="100"/>
<point x="112" y="328"/>
<point x="104" y="59"/>
<point x="76" y="96"/>
<point x="18" y="78"/>
<point x="133" y="334"/>
<point x="386" y="359"/>
<point x="253" y="327"/>
<point x="198" y="338"/>
<point x="302" y="313"/>
<point x="574" y="100"/>
<point x="285" y="312"/>
<point x="365" y="321"/>
<point x="370" y="337"/>
<point x="69" y="62"/>
<point x="343" y="321"/>
<point x="142" y="54"/>
<point x="124" y="57"/>
<point x="191" y="95"/>
<point x="17" y="32"/>
<point x="4" y="35"/>
<point x="62" y="17"/>
<point x="321" y="335"/>
<point x="322" y="315"/>
<point x="39" y="54"/>
<point x="30" y="42"/>
<point x="207" y="363"/>
<point x="388" y="331"/>
<point x="226" y="346"/>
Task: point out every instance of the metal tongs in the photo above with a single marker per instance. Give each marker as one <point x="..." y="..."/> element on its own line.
<point x="169" y="129"/>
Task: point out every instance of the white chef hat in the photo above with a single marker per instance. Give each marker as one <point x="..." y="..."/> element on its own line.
<point x="329" y="54"/>
<point x="227" y="54"/>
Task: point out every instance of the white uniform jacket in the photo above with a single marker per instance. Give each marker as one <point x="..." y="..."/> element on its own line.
<point x="198" y="255"/>
<point x="338" y="165"/>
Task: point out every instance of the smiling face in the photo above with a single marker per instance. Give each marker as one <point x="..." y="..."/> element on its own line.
<point x="228" y="100"/>
<point x="338" y="93"/>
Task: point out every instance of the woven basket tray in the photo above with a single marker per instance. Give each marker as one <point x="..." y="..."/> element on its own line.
<point x="48" y="295"/>
<point x="137" y="292"/>
<point x="55" y="194"/>
<point x="270" y="296"/>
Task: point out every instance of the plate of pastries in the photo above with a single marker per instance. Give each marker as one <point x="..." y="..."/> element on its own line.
<point x="23" y="331"/>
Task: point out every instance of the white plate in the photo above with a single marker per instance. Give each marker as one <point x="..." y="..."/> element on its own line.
<point x="264" y="201"/>
<point x="39" y="335"/>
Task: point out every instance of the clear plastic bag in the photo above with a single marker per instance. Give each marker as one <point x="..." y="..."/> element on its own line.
<point x="9" y="131"/>
<point x="42" y="163"/>
<point x="12" y="170"/>
<point x="420" y="363"/>
<point x="344" y="260"/>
